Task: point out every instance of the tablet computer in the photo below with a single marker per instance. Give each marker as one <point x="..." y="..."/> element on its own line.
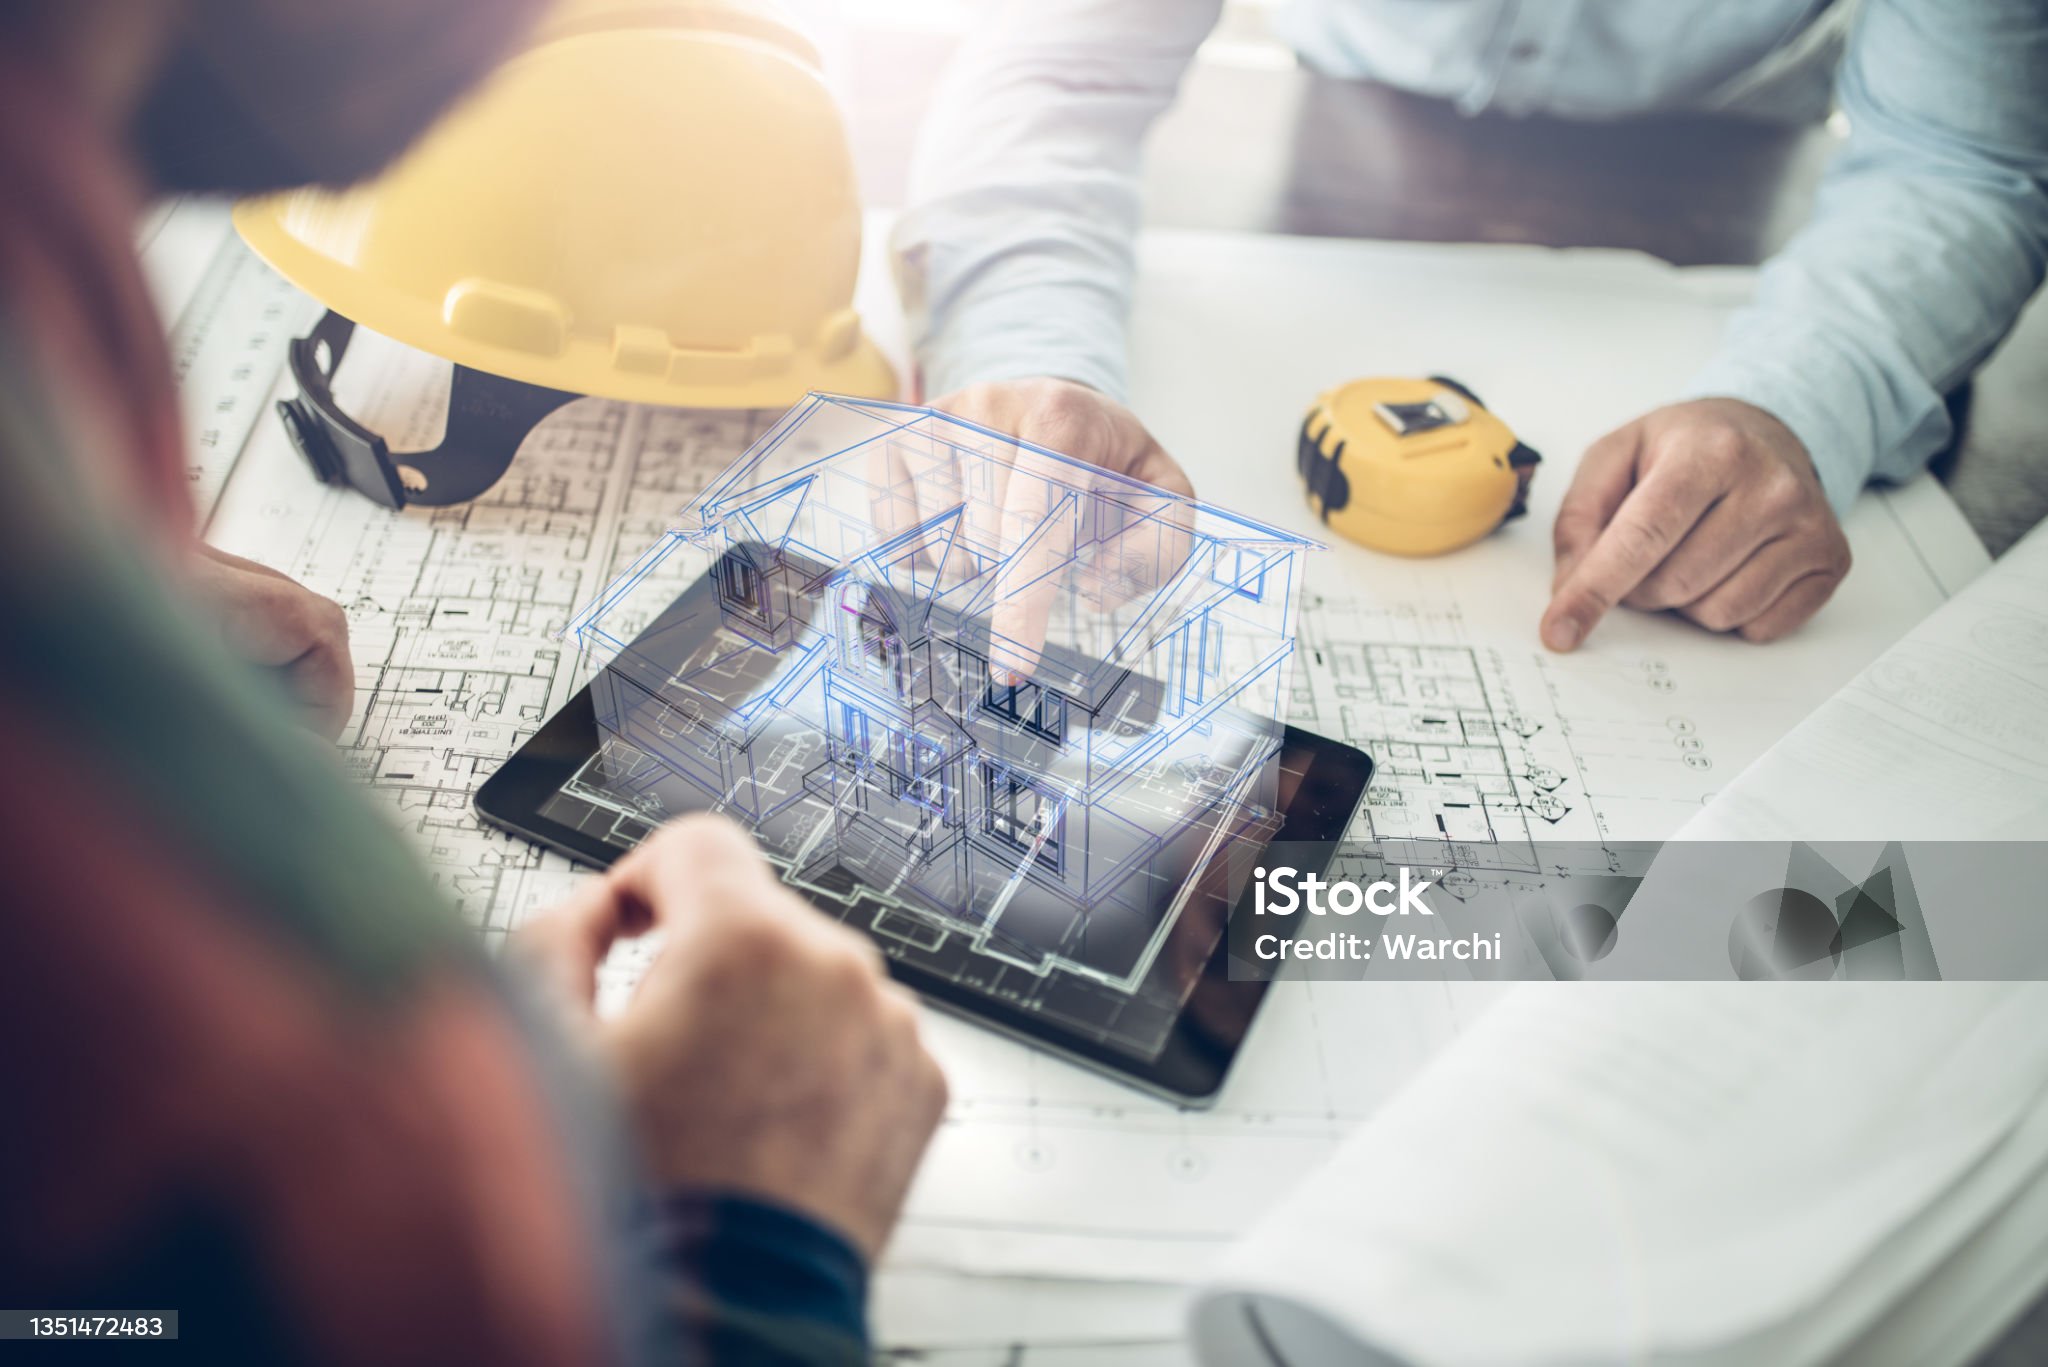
<point x="1132" y="980"/>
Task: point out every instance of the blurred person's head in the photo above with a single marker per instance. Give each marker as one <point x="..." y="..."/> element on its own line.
<point x="248" y="95"/>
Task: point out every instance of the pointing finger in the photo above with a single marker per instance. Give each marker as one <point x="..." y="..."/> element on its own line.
<point x="1651" y="520"/>
<point x="1602" y="481"/>
<point x="1038" y="543"/>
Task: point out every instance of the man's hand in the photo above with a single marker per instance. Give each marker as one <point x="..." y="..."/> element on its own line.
<point x="765" y="1052"/>
<point x="282" y="625"/>
<point x="1709" y="508"/>
<point x="1075" y="421"/>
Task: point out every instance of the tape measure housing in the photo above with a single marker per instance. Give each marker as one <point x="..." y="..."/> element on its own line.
<point x="1411" y="466"/>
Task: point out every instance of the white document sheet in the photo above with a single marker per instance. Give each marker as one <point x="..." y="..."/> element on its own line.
<point x="1653" y="1173"/>
<point x="1043" y="1169"/>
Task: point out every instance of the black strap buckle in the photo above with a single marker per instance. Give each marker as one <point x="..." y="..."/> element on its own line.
<point x="1523" y="460"/>
<point x="488" y="417"/>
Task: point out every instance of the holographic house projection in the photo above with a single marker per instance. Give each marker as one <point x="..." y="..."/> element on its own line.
<point x="972" y="691"/>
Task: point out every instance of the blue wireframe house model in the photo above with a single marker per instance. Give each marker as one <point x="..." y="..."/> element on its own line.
<point x="996" y="692"/>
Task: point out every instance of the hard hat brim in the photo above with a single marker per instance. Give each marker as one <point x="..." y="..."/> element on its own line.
<point x="579" y="364"/>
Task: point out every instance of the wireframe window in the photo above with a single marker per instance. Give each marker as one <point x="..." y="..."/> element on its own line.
<point x="917" y="773"/>
<point x="1038" y="710"/>
<point x="744" y="587"/>
<point x="1019" y="815"/>
<point x="853" y="732"/>
<point x="1243" y="569"/>
<point x="881" y="650"/>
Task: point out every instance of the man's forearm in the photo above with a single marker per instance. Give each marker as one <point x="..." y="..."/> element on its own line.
<point x="1929" y="235"/>
<point x="1017" y="254"/>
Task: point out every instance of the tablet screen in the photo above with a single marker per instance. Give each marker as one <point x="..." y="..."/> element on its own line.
<point x="953" y="818"/>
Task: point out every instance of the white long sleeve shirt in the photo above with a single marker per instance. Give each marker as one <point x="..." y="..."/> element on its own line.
<point x="1016" y="255"/>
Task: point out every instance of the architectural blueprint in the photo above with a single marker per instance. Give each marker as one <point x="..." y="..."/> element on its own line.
<point x="230" y="319"/>
<point x="1043" y="1169"/>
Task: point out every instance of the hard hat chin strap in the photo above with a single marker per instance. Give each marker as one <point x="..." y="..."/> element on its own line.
<point x="488" y="417"/>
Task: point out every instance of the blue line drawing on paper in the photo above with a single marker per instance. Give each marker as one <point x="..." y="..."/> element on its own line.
<point x="973" y="691"/>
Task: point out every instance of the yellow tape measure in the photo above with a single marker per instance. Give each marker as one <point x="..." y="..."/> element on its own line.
<point x="1414" y="467"/>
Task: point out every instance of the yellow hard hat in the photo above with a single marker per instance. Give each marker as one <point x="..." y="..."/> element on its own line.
<point x="1413" y="467"/>
<point x="653" y="201"/>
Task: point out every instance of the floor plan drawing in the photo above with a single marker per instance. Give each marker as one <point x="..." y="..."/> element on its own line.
<point x="1478" y="744"/>
<point x="1423" y="713"/>
<point x="230" y="319"/>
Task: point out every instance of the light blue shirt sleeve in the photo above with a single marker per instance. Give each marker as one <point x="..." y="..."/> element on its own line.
<point x="1017" y="256"/>
<point x="1928" y="236"/>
